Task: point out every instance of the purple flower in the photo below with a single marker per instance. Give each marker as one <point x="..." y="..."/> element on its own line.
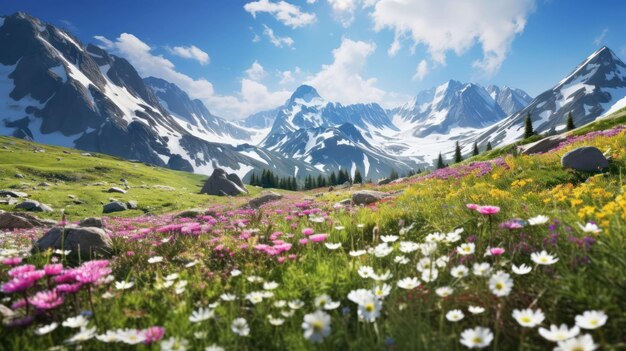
<point x="46" y="300"/>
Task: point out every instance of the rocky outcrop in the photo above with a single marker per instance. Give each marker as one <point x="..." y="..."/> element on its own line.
<point x="366" y="197"/>
<point x="21" y="221"/>
<point x="115" y="206"/>
<point x="33" y="206"/>
<point x="88" y="242"/>
<point x="265" y="197"/>
<point x="220" y="184"/>
<point x="585" y="159"/>
<point x="543" y="145"/>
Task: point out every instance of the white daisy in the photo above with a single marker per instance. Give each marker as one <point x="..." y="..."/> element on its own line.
<point x="521" y="269"/>
<point x="581" y="343"/>
<point x="201" y="314"/>
<point x="240" y="327"/>
<point x="591" y="319"/>
<point x="123" y="285"/>
<point x="174" y="344"/>
<point x="500" y="284"/>
<point x="316" y="326"/>
<point x="538" y="220"/>
<point x="459" y="271"/>
<point x="408" y="283"/>
<point x="559" y="333"/>
<point x="590" y="228"/>
<point x="332" y="246"/>
<point x="454" y="315"/>
<point x="83" y="335"/>
<point x="389" y="238"/>
<point x="543" y="258"/>
<point x="528" y="318"/>
<point x="155" y="259"/>
<point x="444" y="291"/>
<point x="476" y="309"/>
<point x="466" y="249"/>
<point x="478" y="337"/>
<point x="481" y="269"/>
<point x="46" y="328"/>
<point x="75" y="322"/>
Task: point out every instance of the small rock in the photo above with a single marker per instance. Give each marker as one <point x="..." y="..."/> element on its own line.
<point x="191" y="213"/>
<point x="543" y="145"/>
<point x="132" y="205"/>
<point x="8" y="201"/>
<point x="123" y="180"/>
<point x="71" y="196"/>
<point x="44" y="184"/>
<point x="34" y="206"/>
<point x="164" y="187"/>
<point x="19" y="221"/>
<point x="91" y="222"/>
<point x="264" y="198"/>
<point x="365" y="197"/>
<point x="12" y="193"/>
<point x="86" y="154"/>
<point x="586" y="159"/>
<point x="345" y="185"/>
<point x="116" y="206"/>
<point x="345" y="202"/>
<point x="84" y="241"/>
<point x="116" y="190"/>
<point x="78" y="201"/>
<point x="19" y="175"/>
<point x="384" y="181"/>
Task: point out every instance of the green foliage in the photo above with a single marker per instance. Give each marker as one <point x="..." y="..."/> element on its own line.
<point x="570" y="122"/>
<point x="528" y="127"/>
<point x="440" y="163"/>
<point x="457" y="153"/>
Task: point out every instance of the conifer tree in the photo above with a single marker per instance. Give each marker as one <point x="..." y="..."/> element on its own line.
<point x="489" y="148"/>
<point x="393" y="175"/>
<point x="440" y="163"/>
<point x="358" y="179"/>
<point x="570" y="122"/>
<point x="528" y="127"/>
<point x="475" y="152"/>
<point x="457" y="153"/>
<point x="332" y="180"/>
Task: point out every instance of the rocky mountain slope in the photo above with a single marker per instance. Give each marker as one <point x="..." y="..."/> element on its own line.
<point x="55" y="90"/>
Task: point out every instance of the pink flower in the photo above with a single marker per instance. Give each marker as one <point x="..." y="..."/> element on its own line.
<point x="512" y="224"/>
<point x="293" y="257"/>
<point x="496" y="251"/>
<point x="153" y="334"/>
<point x="308" y="231"/>
<point x="17" y="285"/>
<point x="130" y="253"/>
<point x="46" y="300"/>
<point x="318" y="238"/>
<point x="53" y="269"/>
<point x="281" y="259"/>
<point x="17" y="271"/>
<point x="472" y="206"/>
<point x="488" y="210"/>
<point x="68" y="288"/>
<point x="12" y="261"/>
<point x="303" y="241"/>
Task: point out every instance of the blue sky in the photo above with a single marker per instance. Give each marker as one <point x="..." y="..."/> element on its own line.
<point x="242" y="56"/>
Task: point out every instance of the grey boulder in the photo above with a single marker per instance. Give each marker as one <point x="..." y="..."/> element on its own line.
<point x="34" y="206"/>
<point x="264" y="198"/>
<point x="12" y="193"/>
<point x="220" y="184"/>
<point x="365" y="197"/>
<point x="115" y="206"/>
<point x="543" y="145"/>
<point x="586" y="159"/>
<point x="84" y="241"/>
<point x="116" y="190"/>
<point x="20" y="221"/>
<point x="91" y="222"/>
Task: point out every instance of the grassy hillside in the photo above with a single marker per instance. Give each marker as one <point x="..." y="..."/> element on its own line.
<point x="513" y="245"/>
<point x="89" y="177"/>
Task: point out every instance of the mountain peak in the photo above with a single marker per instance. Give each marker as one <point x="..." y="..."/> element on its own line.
<point x="304" y="92"/>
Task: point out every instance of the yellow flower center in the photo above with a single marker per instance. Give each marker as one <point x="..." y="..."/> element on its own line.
<point x="369" y="307"/>
<point x="477" y="340"/>
<point x="317" y="326"/>
<point x="499" y="286"/>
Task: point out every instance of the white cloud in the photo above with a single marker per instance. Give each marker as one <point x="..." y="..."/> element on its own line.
<point x="256" y="71"/>
<point x="342" y="81"/>
<point x="290" y="15"/>
<point x="344" y="10"/>
<point x="311" y="1"/>
<point x="276" y="40"/>
<point x="148" y="64"/>
<point x="395" y="47"/>
<point x="191" y="52"/>
<point x="600" y="38"/>
<point x="451" y="25"/>
<point x="421" y="71"/>
<point x="252" y="96"/>
<point x="289" y="77"/>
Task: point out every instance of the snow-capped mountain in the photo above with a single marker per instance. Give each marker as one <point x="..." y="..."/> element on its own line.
<point x="329" y="136"/>
<point x="260" y="120"/>
<point x="597" y="86"/>
<point x="194" y="116"/>
<point x="508" y="99"/>
<point x="455" y="105"/>
<point x="306" y="109"/>
<point x="55" y="90"/>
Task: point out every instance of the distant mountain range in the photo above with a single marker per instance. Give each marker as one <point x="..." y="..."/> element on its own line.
<point x="55" y="90"/>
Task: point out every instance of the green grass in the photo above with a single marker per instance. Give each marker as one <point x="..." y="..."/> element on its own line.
<point x="70" y="173"/>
